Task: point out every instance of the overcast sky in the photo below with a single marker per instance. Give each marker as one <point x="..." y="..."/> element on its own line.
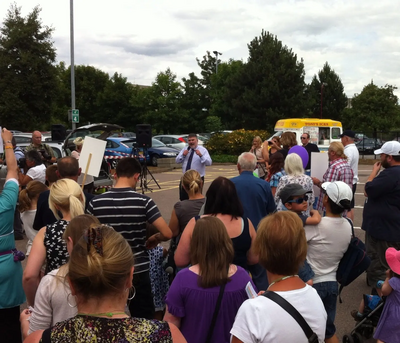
<point x="359" y="39"/>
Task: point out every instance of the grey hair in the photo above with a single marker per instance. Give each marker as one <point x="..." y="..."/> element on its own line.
<point x="294" y="165"/>
<point x="247" y="161"/>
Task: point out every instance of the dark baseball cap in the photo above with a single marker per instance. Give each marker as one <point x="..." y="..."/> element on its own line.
<point x="348" y="133"/>
<point x="291" y="190"/>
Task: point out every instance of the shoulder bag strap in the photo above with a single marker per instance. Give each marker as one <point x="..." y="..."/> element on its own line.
<point x="352" y="226"/>
<point x="311" y="335"/>
<point x="214" y="318"/>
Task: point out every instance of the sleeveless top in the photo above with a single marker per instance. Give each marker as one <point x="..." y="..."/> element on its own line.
<point x="242" y="244"/>
<point x="83" y="328"/>
<point x="56" y="249"/>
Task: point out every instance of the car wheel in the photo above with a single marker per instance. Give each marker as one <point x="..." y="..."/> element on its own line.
<point x="154" y="160"/>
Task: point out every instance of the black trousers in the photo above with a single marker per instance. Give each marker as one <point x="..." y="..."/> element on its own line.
<point x="10" y="328"/>
<point x="182" y="193"/>
<point x="142" y="305"/>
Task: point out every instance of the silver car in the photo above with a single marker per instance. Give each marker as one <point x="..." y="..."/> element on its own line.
<point x="173" y="141"/>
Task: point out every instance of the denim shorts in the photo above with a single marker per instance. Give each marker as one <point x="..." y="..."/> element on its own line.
<point x="328" y="292"/>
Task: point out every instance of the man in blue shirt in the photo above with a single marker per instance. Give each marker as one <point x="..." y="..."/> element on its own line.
<point x="257" y="200"/>
<point x="194" y="157"/>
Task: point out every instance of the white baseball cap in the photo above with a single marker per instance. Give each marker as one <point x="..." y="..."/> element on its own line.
<point x="338" y="191"/>
<point x="389" y="148"/>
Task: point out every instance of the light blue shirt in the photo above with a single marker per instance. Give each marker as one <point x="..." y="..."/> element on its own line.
<point x="198" y="163"/>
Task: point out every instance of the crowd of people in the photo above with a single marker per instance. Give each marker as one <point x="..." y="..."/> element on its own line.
<point x="98" y="267"/>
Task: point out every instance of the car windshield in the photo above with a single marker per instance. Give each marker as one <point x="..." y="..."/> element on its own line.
<point x="156" y="143"/>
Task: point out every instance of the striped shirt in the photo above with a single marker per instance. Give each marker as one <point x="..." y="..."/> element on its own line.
<point x="127" y="212"/>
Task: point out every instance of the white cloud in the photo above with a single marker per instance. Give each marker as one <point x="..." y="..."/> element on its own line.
<point x="139" y="39"/>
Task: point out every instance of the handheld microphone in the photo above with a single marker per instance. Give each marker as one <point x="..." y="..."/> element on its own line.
<point x="188" y="148"/>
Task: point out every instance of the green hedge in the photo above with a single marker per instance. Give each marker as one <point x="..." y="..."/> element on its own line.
<point x="233" y="143"/>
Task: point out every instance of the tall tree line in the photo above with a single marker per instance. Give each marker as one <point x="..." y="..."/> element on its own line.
<point x="252" y="94"/>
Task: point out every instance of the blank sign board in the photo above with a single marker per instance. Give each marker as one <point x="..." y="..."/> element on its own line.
<point x="96" y="147"/>
<point x="319" y="165"/>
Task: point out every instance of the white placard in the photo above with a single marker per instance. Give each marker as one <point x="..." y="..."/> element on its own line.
<point x="1" y="142"/>
<point x="96" y="147"/>
<point x="319" y="165"/>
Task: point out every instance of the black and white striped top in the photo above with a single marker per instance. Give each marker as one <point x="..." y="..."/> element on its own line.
<point x="127" y="212"/>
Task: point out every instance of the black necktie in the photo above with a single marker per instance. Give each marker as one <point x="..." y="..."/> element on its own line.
<point x="189" y="164"/>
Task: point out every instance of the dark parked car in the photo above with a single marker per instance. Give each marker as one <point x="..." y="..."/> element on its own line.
<point x="368" y="145"/>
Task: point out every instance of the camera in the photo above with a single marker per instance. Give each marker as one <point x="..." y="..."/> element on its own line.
<point x="21" y="163"/>
<point x="270" y="143"/>
<point x="45" y="155"/>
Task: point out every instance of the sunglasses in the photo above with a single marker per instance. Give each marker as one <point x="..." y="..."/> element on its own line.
<point x="303" y="137"/>
<point x="299" y="200"/>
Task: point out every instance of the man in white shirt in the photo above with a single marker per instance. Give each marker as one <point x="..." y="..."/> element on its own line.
<point x="36" y="171"/>
<point x="351" y="151"/>
<point x="193" y="157"/>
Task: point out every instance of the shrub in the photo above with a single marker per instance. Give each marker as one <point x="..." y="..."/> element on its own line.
<point x="234" y="143"/>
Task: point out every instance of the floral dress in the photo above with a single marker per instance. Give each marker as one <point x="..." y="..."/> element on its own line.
<point x="303" y="180"/>
<point x="83" y="328"/>
<point x="56" y="249"/>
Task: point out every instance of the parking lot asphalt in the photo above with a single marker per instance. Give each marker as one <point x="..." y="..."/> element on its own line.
<point x="166" y="196"/>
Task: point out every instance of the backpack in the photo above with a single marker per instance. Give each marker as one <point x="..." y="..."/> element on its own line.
<point x="353" y="263"/>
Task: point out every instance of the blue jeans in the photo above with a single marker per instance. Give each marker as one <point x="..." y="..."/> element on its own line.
<point x="328" y="292"/>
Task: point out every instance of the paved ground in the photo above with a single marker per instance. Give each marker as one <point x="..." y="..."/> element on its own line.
<point x="167" y="196"/>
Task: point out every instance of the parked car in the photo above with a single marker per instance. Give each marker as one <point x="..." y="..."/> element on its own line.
<point x="368" y="145"/>
<point x="122" y="147"/>
<point x="173" y="141"/>
<point x="57" y="148"/>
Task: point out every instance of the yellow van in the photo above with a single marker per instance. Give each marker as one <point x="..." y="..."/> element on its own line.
<point x="322" y="131"/>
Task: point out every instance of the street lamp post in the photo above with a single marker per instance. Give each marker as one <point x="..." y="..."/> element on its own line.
<point x="72" y="59"/>
<point x="216" y="60"/>
<point x="323" y="84"/>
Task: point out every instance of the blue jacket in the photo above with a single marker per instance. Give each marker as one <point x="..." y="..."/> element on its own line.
<point x="255" y="195"/>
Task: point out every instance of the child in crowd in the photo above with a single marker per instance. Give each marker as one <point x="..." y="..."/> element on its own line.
<point x="294" y="198"/>
<point x="388" y="329"/>
<point x="27" y="206"/>
<point x="368" y="303"/>
<point x="158" y="276"/>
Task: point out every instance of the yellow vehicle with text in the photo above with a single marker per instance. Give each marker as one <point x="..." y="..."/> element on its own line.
<point x="322" y="131"/>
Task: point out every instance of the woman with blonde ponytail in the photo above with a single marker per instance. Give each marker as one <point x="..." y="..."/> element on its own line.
<point x="66" y="198"/>
<point x="185" y="210"/>
<point x="27" y="207"/>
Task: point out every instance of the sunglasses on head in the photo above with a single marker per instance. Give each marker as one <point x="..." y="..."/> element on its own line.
<point x="299" y="200"/>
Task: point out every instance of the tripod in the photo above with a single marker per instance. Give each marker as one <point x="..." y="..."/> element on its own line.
<point x="143" y="177"/>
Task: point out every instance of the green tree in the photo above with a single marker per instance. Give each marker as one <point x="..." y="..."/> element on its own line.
<point x="375" y="108"/>
<point x="90" y="85"/>
<point x="213" y="124"/>
<point x="333" y="98"/>
<point x="270" y="86"/>
<point x="28" y="82"/>
<point x="165" y="113"/>
<point x="225" y="88"/>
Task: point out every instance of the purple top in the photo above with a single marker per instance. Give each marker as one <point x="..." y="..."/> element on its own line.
<point x="195" y="305"/>
<point x="388" y="329"/>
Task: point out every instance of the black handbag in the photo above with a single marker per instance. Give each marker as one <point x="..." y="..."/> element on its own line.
<point x="310" y="334"/>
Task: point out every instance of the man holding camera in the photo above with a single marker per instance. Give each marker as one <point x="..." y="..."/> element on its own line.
<point x="45" y="151"/>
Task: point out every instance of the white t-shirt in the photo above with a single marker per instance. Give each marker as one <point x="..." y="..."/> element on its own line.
<point x="353" y="156"/>
<point x="327" y="243"/>
<point x="28" y="218"/>
<point x="38" y="173"/>
<point x="261" y="320"/>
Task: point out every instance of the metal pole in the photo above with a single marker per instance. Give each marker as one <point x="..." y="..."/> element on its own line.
<point x="72" y="59"/>
<point x="216" y="60"/>
<point x="322" y="90"/>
